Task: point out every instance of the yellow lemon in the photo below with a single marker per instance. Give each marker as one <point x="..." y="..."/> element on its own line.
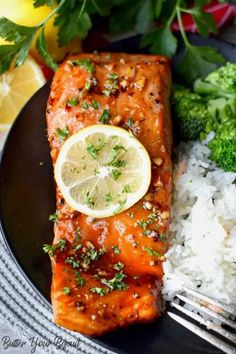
<point x="23" y="13"/>
<point x="102" y="170"/>
<point x="17" y="85"/>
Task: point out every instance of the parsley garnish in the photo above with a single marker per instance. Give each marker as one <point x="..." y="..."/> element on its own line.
<point x="116" y="174"/>
<point x="79" y="280"/>
<point x="118" y="266"/>
<point x="62" y="133"/>
<point x="93" y="151"/>
<point x="115" y="250"/>
<point x="73" y="101"/>
<point x="126" y="189"/>
<point x="129" y="123"/>
<point x="88" y="200"/>
<point x="162" y="237"/>
<point x="111" y="85"/>
<point x="108" y="198"/>
<point x="105" y="116"/>
<point x="66" y="290"/>
<point x="120" y="207"/>
<point x="74" y="20"/>
<point x="96" y="104"/>
<point x="85" y="64"/>
<point x="72" y="261"/>
<point x="51" y="249"/>
<point x="116" y="283"/>
<point x="99" y="291"/>
<point x="53" y="217"/>
<point x="151" y="252"/>
<point x="85" y="105"/>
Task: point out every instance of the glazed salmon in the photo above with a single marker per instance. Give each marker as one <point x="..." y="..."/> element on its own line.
<point x="107" y="273"/>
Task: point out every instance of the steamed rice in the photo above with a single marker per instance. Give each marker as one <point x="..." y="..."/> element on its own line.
<point x="203" y="227"/>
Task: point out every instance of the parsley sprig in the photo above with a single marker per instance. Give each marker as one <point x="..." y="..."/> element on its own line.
<point x="74" y="18"/>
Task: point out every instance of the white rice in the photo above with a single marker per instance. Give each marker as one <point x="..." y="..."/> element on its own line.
<point x="203" y="227"/>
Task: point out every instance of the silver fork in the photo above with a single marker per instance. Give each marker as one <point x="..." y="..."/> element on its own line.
<point x="223" y="315"/>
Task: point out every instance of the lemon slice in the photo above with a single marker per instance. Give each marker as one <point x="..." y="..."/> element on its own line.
<point x="17" y="85"/>
<point x="102" y="170"/>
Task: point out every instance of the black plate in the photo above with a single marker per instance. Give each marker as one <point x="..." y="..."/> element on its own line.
<point x="27" y="199"/>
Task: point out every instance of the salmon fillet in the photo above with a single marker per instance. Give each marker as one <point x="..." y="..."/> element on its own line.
<point x="107" y="273"/>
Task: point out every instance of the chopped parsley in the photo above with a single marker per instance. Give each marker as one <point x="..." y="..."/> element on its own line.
<point x="93" y="151"/>
<point x="106" y="114"/>
<point x="152" y="252"/>
<point x="51" y="249"/>
<point x="96" y="104"/>
<point x="89" y="201"/>
<point x="79" y="280"/>
<point x="115" y="249"/>
<point x="78" y="247"/>
<point x="118" y="163"/>
<point x="85" y="105"/>
<point x="142" y="224"/>
<point x="99" y="291"/>
<point x="78" y="234"/>
<point x="116" y="283"/>
<point x="53" y="217"/>
<point x="66" y="291"/>
<point x="121" y="204"/>
<point x="72" y="261"/>
<point x="162" y="237"/>
<point x="73" y="101"/>
<point x="115" y="150"/>
<point x="118" y="266"/>
<point x="111" y="84"/>
<point x="85" y="64"/>
<point x="129" y="123"/>
<point x="108" y="198"/>
<point x="62" y="133"/>
<point x="126" y="189"/>
<point x="116" y="174"/>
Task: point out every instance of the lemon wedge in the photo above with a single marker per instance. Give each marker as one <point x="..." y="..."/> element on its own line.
<point x="17" y="85"/>
<point x="102" y="170"/>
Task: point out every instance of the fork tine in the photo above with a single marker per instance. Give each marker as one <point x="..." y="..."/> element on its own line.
<point x="210" y="325"/>
<point x="225" y="347"/>
<point x="207" y="311"/>
<point x="223" y="307"/>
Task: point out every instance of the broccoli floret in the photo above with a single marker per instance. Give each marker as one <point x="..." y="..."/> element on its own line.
<point x="191" y="114"/>
<point x="223" y="111"/>
<point x="223" y="152"/>
<point x="219" y="83"/>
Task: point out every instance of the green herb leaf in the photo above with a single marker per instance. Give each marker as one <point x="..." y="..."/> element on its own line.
<point x="120" y="207"/>
<point x="198" y="62"/>
<point x="85" y="105"/>
<point x="108" y="198"/>
<point x="21" y="36"/>
<point x="161" y="41"/>
<point x="73" y="262"/>
<point x="51" y="249"/>
<point x="96" y="104"/>
<point x="79" y="280"/>
<point x="152" y="252"/>
<point x="99" y="291"/>
<point x="118" y="266"/>
<point x="116" y="174"/>
<point x="105" y="116"/>
<point x="92" y="151"/>
<point x="89" y="200"/>
<point x="53" y="217"/>
<point x="129" y="123"/>
<point x="42" y="47"/>
<point x="116" y="283"/>
<point x="126" y="189"/>
<point x="66" y="290"/>
<point x="73" y="101"/>
<point x="85" y="64"/>
<point x="38" y="3"/>
<point x="115" y="250"/>
<point x="145" y="16"/>
<point x="62" y="133"/>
